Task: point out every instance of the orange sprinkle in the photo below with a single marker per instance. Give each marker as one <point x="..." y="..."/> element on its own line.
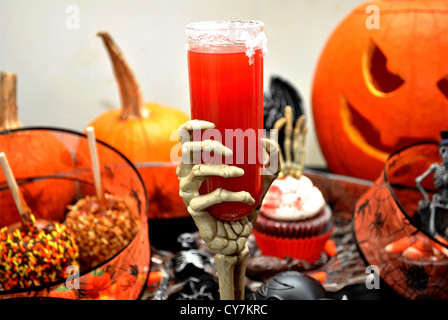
<point x="155" y="276"/>
<point x="330" y="248"/>
<point x="319" y="276"/>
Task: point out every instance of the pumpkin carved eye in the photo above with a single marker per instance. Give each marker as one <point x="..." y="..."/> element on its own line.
<point x="442" y="84"/>
<point x="379" y="78"/>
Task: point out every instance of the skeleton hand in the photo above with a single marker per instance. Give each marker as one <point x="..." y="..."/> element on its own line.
<point x="226" y="238"/>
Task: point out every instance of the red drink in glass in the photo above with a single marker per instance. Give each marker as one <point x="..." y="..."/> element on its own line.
<point x="226" y="88"/>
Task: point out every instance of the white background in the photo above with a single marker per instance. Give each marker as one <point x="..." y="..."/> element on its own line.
<point x="65" y="78"/>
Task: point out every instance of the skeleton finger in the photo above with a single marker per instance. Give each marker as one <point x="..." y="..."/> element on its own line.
<point x="186" y="130"/>
<point x="209" y="229"/>
<point x="192" y="150"/>
<point x="186" y="134"/>
<point x="270" y="146"/>
<point x="219" y="195"/>
<point x="288" y="134"/>
<point x="208" y="146"/>
<point x="194" y="124"/>
<point x="190" y="183"/>
<point x="280" y="123"/>
<point x="183" y="170"/>
<point x="272" y="171"/>
<point x="271" y="166"/>
<point x="186" y="196"/>
<point x="300" y="132"/>
<point x="220" y="170"/>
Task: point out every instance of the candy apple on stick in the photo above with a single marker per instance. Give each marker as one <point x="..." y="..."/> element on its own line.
<point x="34" y="252"/>
<point x="104" y="223"/>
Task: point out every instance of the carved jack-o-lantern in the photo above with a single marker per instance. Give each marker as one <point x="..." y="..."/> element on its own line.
<point x="382" y="86"/>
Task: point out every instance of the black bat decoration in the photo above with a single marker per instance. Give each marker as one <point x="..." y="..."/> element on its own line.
<point x="280" y="94"/>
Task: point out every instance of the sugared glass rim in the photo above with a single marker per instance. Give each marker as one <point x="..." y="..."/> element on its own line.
<point x="226" y="33"/>
<point x="223" y="25"/>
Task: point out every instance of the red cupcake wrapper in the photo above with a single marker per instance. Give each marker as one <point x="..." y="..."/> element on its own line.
<point x="308" y="249"/>
<point x="294" y="229"/>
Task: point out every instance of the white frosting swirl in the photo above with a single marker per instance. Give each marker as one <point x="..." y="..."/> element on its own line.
<point x="291" y="199"/>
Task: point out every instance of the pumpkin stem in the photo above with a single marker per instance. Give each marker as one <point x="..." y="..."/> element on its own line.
<point x="131" y="96"/>
<point x="8" y="102"/>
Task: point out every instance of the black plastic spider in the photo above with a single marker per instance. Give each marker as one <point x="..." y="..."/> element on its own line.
<point x="376" y="226"/>
<point x="416" y="277"/>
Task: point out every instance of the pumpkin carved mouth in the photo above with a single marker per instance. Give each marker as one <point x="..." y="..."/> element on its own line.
<point x="365" y="135"/>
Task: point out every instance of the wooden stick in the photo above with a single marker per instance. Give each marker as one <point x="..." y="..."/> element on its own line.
<point x="24" y="210"/>
<point x="8" y="101"/>
<point x="95" y="164"/>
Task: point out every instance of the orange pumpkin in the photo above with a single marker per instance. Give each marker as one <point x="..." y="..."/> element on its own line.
<point x="381" y="85"/>
<point x="97" y="283"/>
<point x="142" y="132"/>
<point x="31" y="154"/>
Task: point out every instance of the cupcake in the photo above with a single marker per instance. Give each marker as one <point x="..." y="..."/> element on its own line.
<point x="294" y="220"/>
